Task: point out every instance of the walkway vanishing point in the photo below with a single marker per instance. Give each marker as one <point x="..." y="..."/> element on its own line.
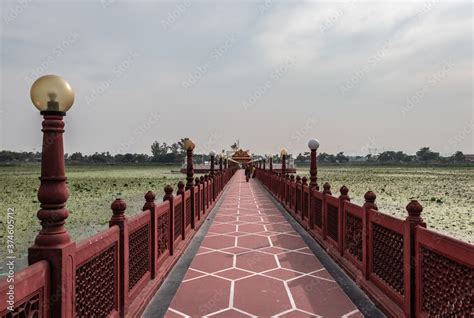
<point x="250" y="260"/>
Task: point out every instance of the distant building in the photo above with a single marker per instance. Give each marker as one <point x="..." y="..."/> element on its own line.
<point x="358" y="159"/>
<point x="469" y="158"/>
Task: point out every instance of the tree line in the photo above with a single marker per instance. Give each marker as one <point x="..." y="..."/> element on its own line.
<point x="174" y="153"/>
<point x="161" y="152"/>
<point x="424" y="155"/>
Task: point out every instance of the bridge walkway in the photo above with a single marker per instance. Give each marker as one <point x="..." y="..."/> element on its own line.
<point x="252" y="262"/>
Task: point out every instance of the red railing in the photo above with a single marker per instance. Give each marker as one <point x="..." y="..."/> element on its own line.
<point x="26" y="293"/>
<point x="97" y="278"/>
<point x="116" y="272"/>
<point x="408" y="270"/>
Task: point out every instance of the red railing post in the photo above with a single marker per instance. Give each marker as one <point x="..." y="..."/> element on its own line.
<point x="326" y="192"/>
<point x="342" y="198"/>
<point x="413" y="220"/>
<point x="290" y="191"/>
<point x="150" y="205"/>
<point x="180" y="192"/>
<point x="206" y="186"/>
<point x="298" y="197"/>
<point x="313" y="171"/>
<point x="197" y="183"/>
<point x="369" y="204"/>
<point x="53" y="243"/>
<point x="118" y="218"/>
<point x="304" y="183"/>
<point x="169" y="197"/>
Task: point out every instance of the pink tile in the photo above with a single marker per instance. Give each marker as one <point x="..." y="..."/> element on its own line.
<point x="194" y="300"/>
<point x="261" y="296"/>
<point x="231" y="313"/>
<point x="212" y="262"/>
<point x="299" y="262"/>
<point x="218" y="242"/>
<point x="256" y="262"/>
<point x="282" y="273"/>
<point x="288" y="241"/>
<point x="233" y="273"/>
<point x="253" y="241"/>
<point x="320" y="296"/>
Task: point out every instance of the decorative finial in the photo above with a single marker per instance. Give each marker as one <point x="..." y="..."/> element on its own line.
<point x="180" y="187"/>
<point x="327" y="188"/>
<point x="370" y="200"/>
<point x="344" y="191"/>
<point x="304" y="180"/>
<point x="168" y="192"/>
<point x="118" y="208"/>
<point x="414" y="209"/>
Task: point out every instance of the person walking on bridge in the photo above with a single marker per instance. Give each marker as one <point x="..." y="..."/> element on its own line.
<point x="248" y="172"/>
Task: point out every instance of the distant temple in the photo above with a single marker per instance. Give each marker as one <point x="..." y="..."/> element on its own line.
<point x="238" y="157"/>
<point x="242" y="156"/>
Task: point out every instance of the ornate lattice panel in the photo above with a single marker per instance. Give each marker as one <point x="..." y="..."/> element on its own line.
<point x="163" y="228"/>
<point x="139" y="255"/>
<point x="333" y="222"/>
<point x="354" y="236"/>
<point x="305" y="204"/>
<point x="178" y="218"/>
<point x="298" y="200"/>
<point x="318" y="212"/>
<point x="96" y="288"/>
<point x="388" y="257"/>
<point x="30" y="307"/>
<point x="447" y="286"/>
<point x="188" y="211"/>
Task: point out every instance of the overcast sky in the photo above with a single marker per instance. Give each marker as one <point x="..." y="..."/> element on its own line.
<point x="356" y="75"/>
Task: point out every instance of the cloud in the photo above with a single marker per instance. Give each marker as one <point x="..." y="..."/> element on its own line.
<point x="390" y="49"/>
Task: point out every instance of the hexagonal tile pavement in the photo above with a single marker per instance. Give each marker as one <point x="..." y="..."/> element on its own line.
<point x="192" y="299"/>
<point x="256" y="262"/>
<point x="299" y="262"/>
<point x="290" y="242"/>
<point x="218" y="242"/>
<point x="261" y="296"/>
<point x="252" y="254"/>
<point x="220" y="261"/>
<point x="251" y="228"/>
<point x="319" y="296"/>
<point x="253" y="241"/>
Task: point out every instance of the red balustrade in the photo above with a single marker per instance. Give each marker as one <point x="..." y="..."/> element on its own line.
<point x="408" y="270"/>
<point x="117" y="271"/>
<point x="28" y="294"/>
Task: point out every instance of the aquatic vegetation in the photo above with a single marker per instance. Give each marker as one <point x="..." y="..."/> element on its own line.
<point x="446" y="193"/>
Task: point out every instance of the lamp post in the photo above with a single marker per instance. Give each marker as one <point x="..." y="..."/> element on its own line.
<point x="264" y="163"/>
<point x="213" y="155"/>
<point x="53" y="97"/>
<point x="283" y="154"/>
<point x="189" y="146"/>
<point x="270" y="158"/>
<point x="313" y="145"/>
<point x="220" y="162"/>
